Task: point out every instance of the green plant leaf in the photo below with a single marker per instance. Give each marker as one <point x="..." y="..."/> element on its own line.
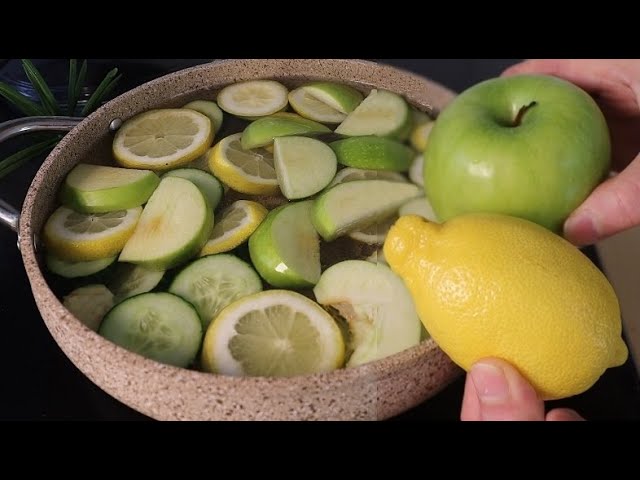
<point x="107" y="84"/>
<point x="44" y="92"/>
<point x="21" y="102"/>
<point x="18" y="159"/>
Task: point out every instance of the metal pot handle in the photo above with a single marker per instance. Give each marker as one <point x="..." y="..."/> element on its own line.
<point x="9" y="215"/>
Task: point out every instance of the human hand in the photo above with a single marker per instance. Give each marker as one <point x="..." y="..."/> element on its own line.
<point x="495" y="390"/>
<point x="615" y="85"/>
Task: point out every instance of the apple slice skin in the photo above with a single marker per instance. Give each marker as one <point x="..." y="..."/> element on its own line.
<point x="262" y="132"/>
<point x="140" y="252"/>
<point x="530" y="146"/>
<point x="268" y="260"/>
<point x="110" y="199"/>
<point x="373" y="153"/>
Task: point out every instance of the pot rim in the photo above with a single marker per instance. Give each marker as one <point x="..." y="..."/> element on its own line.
<point x="378" y="369"/>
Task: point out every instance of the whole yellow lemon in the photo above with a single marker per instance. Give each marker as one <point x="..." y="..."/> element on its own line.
<point x="488" y="285"/>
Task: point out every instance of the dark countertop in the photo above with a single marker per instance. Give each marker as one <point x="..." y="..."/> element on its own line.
<point x="39" y="382"/>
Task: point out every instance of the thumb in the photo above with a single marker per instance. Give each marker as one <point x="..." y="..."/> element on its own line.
<point x="496" y="391"/>
<point x="611" y="208"/>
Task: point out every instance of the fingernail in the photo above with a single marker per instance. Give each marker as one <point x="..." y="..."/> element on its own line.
<point x="581" y="230"/>
<point x="490" y="382"/>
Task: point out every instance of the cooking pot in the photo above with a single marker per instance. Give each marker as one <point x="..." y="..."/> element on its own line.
<point x="374" y="391"/>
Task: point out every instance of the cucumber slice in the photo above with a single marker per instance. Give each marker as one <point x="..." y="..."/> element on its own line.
<point x="89" y="304"/>
<point x="159" y="326"/>
<point x="382" y="113"/>
<point x="213" y="282"/>
<point x="130" y="280"/>
<point x="68" y="269"/>
<point x="209" y="185"/>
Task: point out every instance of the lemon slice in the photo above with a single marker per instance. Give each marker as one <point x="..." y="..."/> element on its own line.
<point x="351" y="174"/>
<point x="310" y="107"/>
<point x="162" y="139"/>
<point x="246" y="171"/>
<point x="82" y="237"/>
<point x="234" y="227"/>
<point x="277" y="333"/>
<point x="255" y="98"/>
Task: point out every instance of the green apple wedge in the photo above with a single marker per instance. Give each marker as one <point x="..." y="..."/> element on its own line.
<point x="325" y="102"/>
<point x="352" y="206"/>
<point x="382" y="113"/>
<point x="377" y="306"/>
<point x="285" y="248"/>
<point x="529" y="146"/>
<point x="263" y="131"/>
<point x="173" y="227"/>
<point x="209" y="185"/>
<point x="100" y="189"/>
<point x="373" y="153"/>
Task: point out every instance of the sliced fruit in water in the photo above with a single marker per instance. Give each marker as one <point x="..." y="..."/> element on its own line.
<point x="262" y="132"/>
<point x="173" y="227"/>
<point x="285" y="248"/>
<point x="98" y="189"/>
<point x="310" y="107"/>
<point x="89" y="304"/>
<point x="304" y="166"/>
<point x="162" y="139"/>
<point x="375" y="233"/>
<point x="207" y="183"/>
<point x="373" y="153"/>
<point x="211" y="283"/>
<point x="420" y="135"/>
<point x="382" y="113"/>
<point x="68" y="269"/>
<point x="234" y="226"/>
<point x="130" y="280"/>
<point x="277" y="333"/>
<point x="377" y="306"/>
<point x="246" y="171"/>
<point x="202" y="162"/>
<point x="210" y="109"/>
<point x="159" y="326"/>
<point x="340" y="97"/>
<point x="416" y="170"/>
<point x="419" y="206"/>
<point x="254" y="98"/>
<point x="83" y="237"/>
<point x="350" y="174"/>
<point x="352" y="206"/>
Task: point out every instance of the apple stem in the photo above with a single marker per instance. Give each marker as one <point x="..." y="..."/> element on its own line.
<point x="521" y="112"/>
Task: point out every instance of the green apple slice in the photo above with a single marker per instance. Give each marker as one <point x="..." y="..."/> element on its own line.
<point x="419" y="206"/>
<point x="303" y="165"/>
<point x="285" y="248"/>
<point x="99" y="189"/>
<point x="207" y="183"/>
<point x="312" y="108"/>
<point x="350" y="174"/>
<point x="262" y="132"/>
<point x="209" y="109"/>
<point x="173" y="227"/>
<point x="377" y="306"/>
<point x="382" y="113"/>
<point x="373" y="153"/>
<point x="340" y="97"/>
<point x="352" y="206"/>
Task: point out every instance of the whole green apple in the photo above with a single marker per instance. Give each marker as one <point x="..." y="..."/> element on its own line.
<point x="531" y="146"/>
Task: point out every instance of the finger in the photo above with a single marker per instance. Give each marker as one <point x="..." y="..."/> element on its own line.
<point x="563" y="415"/>
<point x="503" y="394"/>
<point x="610" y="209"/>
<point x="470" y="403"/>
<point x="587" y="74"/>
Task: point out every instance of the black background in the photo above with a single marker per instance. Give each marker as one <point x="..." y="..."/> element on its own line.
<point x="39" y="382"/>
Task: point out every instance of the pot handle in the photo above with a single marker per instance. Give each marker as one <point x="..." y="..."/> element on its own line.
<point x="9" y="215"/>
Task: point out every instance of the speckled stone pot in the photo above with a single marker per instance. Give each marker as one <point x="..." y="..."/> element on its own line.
<point x="374" y="391"/>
